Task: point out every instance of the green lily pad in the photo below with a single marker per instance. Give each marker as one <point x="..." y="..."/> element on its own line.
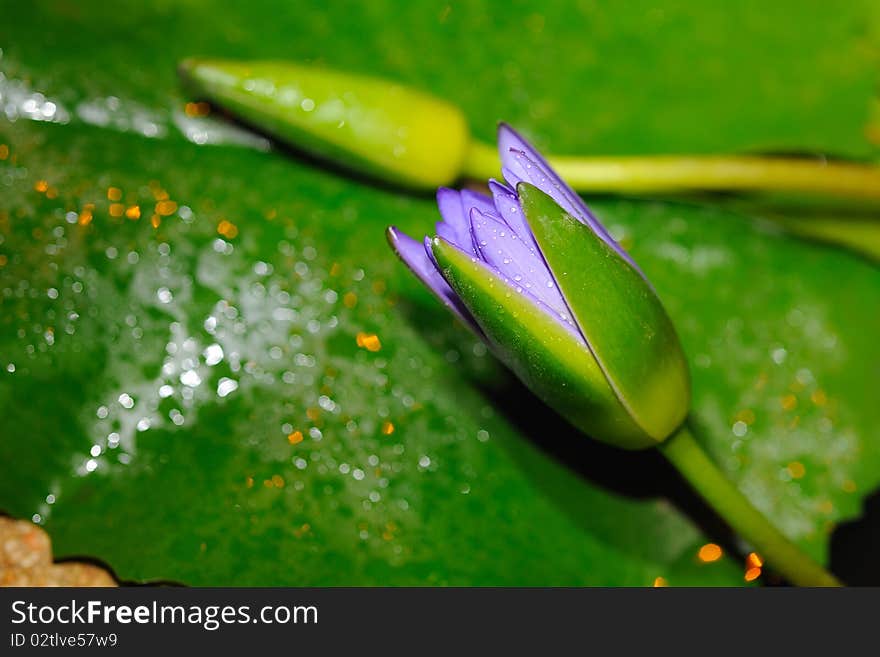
<point x="254" y="391"/>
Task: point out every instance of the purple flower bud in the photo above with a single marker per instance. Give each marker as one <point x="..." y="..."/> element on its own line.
<point x="534" y="273"/>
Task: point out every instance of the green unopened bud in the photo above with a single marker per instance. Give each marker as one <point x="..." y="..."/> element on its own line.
<point x="364" y="124"/>
<point x="610" y="362"/>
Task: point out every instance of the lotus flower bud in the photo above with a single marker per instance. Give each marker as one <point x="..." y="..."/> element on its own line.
<point x="535" y="274"/>
<point x="365" y="124"/>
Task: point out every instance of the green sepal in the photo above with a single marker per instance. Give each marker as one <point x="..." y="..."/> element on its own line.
<point x="368" y="125"/>
<point x="546" y="356"/>
<point x="619" y="314"/>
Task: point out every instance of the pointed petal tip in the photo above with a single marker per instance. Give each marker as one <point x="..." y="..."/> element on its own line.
<point x="526" y="190"/>
<point x="504" y="128"/>
<point x="510" y="140"/>
<point x="404" y="247"/>
<point x="443" y="192"/>
<point x="393" y="236"/>
<point x="496" y="186"/>
<point x="438" y="247"/>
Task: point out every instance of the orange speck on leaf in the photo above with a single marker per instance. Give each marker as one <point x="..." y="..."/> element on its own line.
<point x="387" y="428"/>
<point x="116" y="209"/>
<point x="165" y="208"/>
<point x="660" y="582"/>
<point x="227" y="229"/>
<point x="85" y="217"/>
<point x="41" y="186"/>
<point x="278" y="481"/>
<point x="710" y="552"/>
<point x="197" y="109"/>
<point x="796" y="469"/>
<point x="754" y="560"/>
<point x="114" y="193"/>
<point x="155" y="221"/>
<point x="369" y="341"/>
<point x="295" y="437"/>
<point x="133" y="212"/>
<point x="752" y="574"/>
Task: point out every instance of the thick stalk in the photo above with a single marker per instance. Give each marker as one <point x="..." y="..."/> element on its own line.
<point x="688" y="173"/>
<point x="785" y="557"/>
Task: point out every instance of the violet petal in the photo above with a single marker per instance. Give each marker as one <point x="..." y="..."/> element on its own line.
<point x="519" y="263"/>
<point x="522" y="163"/>
<point x="455" y="226"/>
<point x="507" y="206"/>
<point x="419" y="258"/>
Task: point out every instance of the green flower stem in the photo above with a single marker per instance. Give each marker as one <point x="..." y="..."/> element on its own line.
<point x="689" y="173"/>
<point x="689" y="458"/>
<point x="481" y="161"/>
